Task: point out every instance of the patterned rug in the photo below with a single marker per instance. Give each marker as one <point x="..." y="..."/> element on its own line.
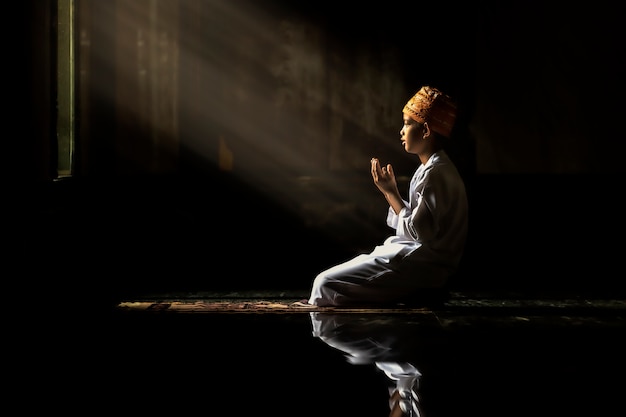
<point x="247" y="306"/>
<point x="291" y="303"/>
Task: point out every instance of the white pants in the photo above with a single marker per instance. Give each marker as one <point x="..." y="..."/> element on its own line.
<point x="387" y="274"/>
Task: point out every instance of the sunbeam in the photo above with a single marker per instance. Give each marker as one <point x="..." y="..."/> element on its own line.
<point x="272" y="97"/>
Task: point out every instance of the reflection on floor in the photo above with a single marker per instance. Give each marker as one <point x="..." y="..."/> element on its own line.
<point x="476" y="355"/>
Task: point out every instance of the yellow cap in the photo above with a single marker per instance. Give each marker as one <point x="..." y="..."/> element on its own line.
<point x="432" y="106"/>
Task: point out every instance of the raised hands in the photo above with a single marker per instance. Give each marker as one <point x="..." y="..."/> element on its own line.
<point x="385" y="180"/>
<point x="383" y="176"/>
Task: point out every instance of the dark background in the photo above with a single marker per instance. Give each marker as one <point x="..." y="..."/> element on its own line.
<point x="226" y="144"/>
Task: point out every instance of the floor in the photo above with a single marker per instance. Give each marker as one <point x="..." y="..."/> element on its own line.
<point x="525" y="347"/>
<point x="477" y="354"/>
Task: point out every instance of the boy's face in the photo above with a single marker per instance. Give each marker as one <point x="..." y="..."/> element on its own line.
<point x="411" y="134"/>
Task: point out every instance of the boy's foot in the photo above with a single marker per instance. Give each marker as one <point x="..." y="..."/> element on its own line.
<point x="304" y="303"/>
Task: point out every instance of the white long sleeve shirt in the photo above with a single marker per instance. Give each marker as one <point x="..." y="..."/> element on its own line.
<point x="433" y="225"/>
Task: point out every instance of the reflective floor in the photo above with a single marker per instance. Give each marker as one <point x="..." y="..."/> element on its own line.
<point x="473" y="356"/>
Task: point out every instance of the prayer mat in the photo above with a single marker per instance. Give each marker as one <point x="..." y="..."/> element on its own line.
<point x="466" y="303"/>
<point x="249" y="306"/>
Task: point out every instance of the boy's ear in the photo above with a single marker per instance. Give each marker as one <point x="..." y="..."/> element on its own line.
<point x="426" y="129"/>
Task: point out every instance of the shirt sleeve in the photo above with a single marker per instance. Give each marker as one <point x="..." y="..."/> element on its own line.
<point x="416" y="221"/>
<point x="393" y="219"/>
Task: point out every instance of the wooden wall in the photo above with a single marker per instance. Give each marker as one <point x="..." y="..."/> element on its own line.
<point x="192" y="112"/>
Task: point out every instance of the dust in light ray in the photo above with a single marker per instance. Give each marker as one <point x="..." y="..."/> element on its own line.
<point x="270" y="96"/>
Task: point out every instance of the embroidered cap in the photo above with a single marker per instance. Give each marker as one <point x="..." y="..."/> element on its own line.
<point x="432" y="106"/>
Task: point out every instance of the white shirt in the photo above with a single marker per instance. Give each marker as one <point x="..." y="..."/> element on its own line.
<point x="433" y="224"/>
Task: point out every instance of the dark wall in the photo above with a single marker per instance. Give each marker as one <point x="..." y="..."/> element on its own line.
<point x="530" y="234"/>
<point x="539" y="87"/>
<point x="266" y="192"/>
